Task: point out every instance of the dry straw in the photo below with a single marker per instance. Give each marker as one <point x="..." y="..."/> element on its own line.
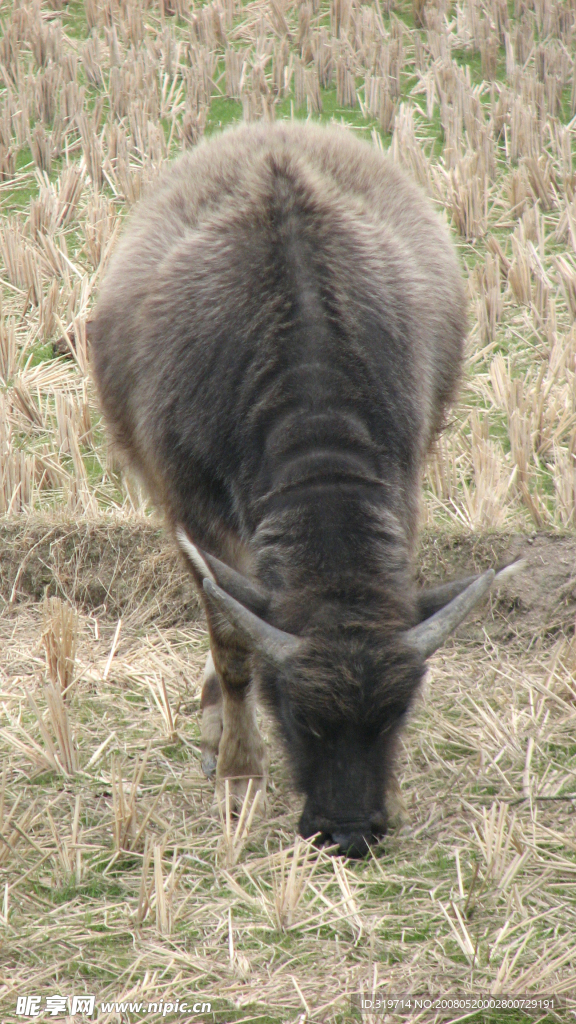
<point x="491" y="718"/>
<point x="474" y="892"/>
<point x="60" y="637"/>
<point x="504" y="149"/>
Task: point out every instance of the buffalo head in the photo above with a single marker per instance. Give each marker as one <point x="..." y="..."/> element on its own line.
<point x="338" y="696"/>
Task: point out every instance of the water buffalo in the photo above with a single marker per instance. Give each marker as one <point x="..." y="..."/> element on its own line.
<point x="275" y="344"/>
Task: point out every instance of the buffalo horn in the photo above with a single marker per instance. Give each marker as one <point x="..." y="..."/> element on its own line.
<point x="429" y="635"/>
<point x="194" y="554"/>
<point x="260" y="636"/>
<point x="233" y="582"/>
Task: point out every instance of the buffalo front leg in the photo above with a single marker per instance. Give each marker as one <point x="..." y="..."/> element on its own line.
<point x="231" y="744"/>
<point x="211" y="703"/>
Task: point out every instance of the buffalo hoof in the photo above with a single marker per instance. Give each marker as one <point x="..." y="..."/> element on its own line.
<point x="209" y="761"/>
<point x="238" y="790"/>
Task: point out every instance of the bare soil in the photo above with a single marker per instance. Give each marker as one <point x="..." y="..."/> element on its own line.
<point x="113" y="567"/>
<point x="536" y="606"/>
<point x="126" y="568"/>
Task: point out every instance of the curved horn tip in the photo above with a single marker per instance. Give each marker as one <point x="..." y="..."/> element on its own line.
<point x="511" y="570"/>
<point x="193" y="553"/>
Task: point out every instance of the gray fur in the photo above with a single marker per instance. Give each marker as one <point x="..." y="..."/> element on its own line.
<point x="275" y="344"/>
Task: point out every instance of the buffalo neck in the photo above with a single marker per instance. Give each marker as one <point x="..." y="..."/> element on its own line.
<point x="335" y="554"/>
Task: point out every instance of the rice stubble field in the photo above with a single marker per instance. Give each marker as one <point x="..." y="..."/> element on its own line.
<point x="120" y="877"/>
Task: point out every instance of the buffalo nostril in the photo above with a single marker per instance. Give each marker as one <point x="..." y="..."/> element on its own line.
<point x="341" y="840"/>
<point x="351" y="845"/>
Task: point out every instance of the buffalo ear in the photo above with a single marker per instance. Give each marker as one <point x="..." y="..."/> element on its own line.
<point x="255" y="634"/>
<point x="432" y="599"/>
<point x="449" y="604"/>
<point x="428" y="636"/>
<point x="234" y="607"/>
<point x="208" y="567"/>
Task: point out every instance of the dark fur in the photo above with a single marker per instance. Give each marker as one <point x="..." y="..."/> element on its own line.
<point x="275" y="344"/>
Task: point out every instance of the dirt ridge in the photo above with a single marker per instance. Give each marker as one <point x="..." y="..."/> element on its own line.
<point x="122" y="567"/>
